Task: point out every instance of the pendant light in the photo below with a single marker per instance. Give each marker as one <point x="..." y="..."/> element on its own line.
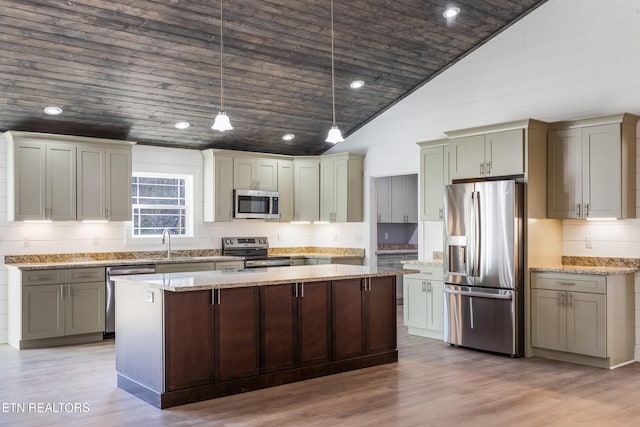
<point x="221" y="122"/>
<point x="334" y="135"/>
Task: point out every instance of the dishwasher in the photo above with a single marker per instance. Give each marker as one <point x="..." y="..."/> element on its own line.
<point x="110" y="292"/>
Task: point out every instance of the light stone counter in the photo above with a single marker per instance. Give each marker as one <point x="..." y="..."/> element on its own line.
<point x="583" y="269"/>
<point x="194" y="281"/>
<point x="80" y="263"/>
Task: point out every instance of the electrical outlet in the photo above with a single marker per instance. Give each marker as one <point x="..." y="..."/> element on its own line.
<point x="386" y="236"/>
<point x="588" y="242"/>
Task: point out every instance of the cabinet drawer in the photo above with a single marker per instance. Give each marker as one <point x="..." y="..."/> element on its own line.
<point x="425" y="273"/>
<point x="569" y="282"/>
<point x="86" y="275"/>
<point x="43" y="277"/>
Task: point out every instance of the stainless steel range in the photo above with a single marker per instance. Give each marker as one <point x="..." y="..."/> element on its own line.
<point x="255" y="250"/>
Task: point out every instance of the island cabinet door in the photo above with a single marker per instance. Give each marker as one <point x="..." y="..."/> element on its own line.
<point x="380" y="326"/>
<point x="347" y="318"/>
<point x="188" y="339"/>
<point x="314" y="323"/>
<point x="237" y="333"/>
<point x="279" y="335"/>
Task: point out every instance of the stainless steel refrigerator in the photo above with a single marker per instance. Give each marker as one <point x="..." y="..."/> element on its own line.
<point x="484" y="262"/>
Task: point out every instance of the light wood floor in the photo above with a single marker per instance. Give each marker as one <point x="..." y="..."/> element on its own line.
<point x="431" y="385"/>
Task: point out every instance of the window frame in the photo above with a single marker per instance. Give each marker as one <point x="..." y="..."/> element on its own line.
<point x="189" y="205"/>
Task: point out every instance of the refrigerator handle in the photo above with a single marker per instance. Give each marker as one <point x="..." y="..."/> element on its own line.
<point x="474" y="236"/>
<point x="471" y="246"/>
<point x="477" y="236"/>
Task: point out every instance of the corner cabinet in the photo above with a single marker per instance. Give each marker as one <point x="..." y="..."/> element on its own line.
<point x="61" y="177"/>
<point x="434" y="175"/>
<point x="341" y="188"/>
<point x="583" y="318"/>
<point x="56" y="307"/>
<point x="592" y="168"/>
<point x="423" y="301"/>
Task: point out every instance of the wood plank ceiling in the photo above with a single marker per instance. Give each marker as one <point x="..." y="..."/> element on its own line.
<point x="132" y="69"/>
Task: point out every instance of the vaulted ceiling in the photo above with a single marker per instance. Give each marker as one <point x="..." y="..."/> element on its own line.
<point x="132" y="69"/>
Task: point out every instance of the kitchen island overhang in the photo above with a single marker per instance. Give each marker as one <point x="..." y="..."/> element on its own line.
<point x="187" y="337"/>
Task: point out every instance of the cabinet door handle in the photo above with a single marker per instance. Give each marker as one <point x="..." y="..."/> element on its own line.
<point x="481" y="169"/>
<point x="570" y="301"/>
<point x="106" y="213"/>
<point x="567" y="283"/>
<point x="562" y="299"/>
<point x="488" y="166"/>
<point x="578" y="210"/>
<point x="301" y="289"/>
<point x="61" y="291"/>
<point x="379" y="217"/>
<point x="69" y="291"/>
<point x="440" y="213"/>
<point x="586" y="210"/>
<point x="423" y="286"/>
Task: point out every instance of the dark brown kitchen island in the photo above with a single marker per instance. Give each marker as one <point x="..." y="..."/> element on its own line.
<point x="187" y="337"/>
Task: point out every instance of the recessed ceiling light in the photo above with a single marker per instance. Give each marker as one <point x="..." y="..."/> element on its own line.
<point x="356" y="84"/>
<point x="52" y="110"/>
<point x="288" y="136"/>
<point x="182" y="125"/>
<point x="451" y="12"/>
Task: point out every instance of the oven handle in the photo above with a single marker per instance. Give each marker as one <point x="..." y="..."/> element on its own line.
<point x="479" y="294"/>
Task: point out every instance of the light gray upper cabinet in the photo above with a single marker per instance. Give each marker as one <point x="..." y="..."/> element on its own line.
<point x="341" y="188"/>
<point x="103" y="183"/>
<point x="41" y="179"/>
<point x="218" y="185"/>
<point x="487" y="155"/>
<point x="61" y="177"/>
<point x="383" y="192"/>
<point x="591" y="168"/>
<point x="255" y="173"/>
<point x="404" y="199"/>
<point x="285" y="190"/>
<point x="434" y="175"/>
<point x="306" y="188"/>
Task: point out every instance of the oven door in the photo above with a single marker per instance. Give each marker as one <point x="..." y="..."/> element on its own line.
<point x="255" y="204"/>
<point x="483" y="318"/>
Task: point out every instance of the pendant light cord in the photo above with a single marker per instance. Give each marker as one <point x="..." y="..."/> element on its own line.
<point x="221" y="61"/>
<point x="333" y="83"/>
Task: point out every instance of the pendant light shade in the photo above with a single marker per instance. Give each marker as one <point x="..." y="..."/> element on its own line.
<point x="221" y="123"/>
<point x="334" y="135"/>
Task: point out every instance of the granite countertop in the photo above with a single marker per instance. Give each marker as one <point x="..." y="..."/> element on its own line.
<point x="114" y="262"/>
<point x="583" y="269"/>
<point x="321" y="255"/>
<point x="428" y="263"/>
<point x="194" y="281"/>
<point x="396" y="251"/>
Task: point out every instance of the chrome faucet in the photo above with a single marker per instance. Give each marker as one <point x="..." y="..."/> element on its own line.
<point x="166" y="239"/>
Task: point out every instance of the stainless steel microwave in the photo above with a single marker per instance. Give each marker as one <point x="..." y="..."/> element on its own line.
<point x="255" y="204"/>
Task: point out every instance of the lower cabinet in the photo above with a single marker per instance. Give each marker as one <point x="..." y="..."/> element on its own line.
<point x="238" y="336"/>
<point x="363" y="320"/>
<point x="295" y="325"/>
<point x="50" y="307"/>
<point x="583" y="318"/>
<point x="424" y="301"/>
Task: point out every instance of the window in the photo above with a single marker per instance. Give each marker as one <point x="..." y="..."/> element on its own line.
<point x="161" y="201"/>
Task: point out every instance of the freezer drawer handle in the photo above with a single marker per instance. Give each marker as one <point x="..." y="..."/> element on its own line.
<point x="478" y="294"/>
